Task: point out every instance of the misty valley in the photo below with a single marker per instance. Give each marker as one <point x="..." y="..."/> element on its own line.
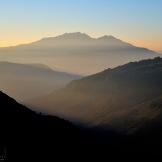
<point x="77" y="94"/>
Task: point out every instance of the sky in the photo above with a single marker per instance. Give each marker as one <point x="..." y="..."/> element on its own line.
<point x="136" y="21"/>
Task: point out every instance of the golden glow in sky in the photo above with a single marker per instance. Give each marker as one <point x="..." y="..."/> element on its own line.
<point x="152" y="43"/>
<point x="138" y="22"/>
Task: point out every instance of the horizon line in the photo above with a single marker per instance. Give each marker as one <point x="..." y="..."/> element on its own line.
<point x="93" y="37"/>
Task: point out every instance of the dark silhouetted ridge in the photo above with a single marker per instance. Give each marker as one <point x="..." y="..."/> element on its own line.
<point x="26" y="134"/>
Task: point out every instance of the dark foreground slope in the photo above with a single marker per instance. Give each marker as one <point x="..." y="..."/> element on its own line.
<point x="27" y="136"/>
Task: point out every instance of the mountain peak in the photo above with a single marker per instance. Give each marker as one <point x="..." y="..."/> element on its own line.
<point x="105" y="37"/>
<point x="109" y="38"/>
<point x="76" y="35"/>
<point x="69" y="36"/>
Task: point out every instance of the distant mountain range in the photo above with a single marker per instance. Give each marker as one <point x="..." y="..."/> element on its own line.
<point x="26" y="81"/>
<point x="125" y="98"/>
<point x="77" y="53"/>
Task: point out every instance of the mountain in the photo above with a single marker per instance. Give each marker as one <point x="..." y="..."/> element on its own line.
<point x="26" y="81"/>
<point x="77" y="53"/>
<point x="115" y="98"/>
<point x="27" y="135"/>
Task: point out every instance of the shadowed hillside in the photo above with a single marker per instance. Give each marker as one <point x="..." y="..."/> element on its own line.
<point x="26" y="135"/>
<point x="111" y="98"/>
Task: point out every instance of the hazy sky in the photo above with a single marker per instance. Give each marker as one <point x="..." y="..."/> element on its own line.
<point x="135" y="21"/>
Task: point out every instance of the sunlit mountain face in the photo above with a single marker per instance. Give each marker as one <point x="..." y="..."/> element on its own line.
<point x="77" y="53"/>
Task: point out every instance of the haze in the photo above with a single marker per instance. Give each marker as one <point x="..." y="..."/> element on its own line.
<point x="80" y="74"/>
<point x="77" y="53"/>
